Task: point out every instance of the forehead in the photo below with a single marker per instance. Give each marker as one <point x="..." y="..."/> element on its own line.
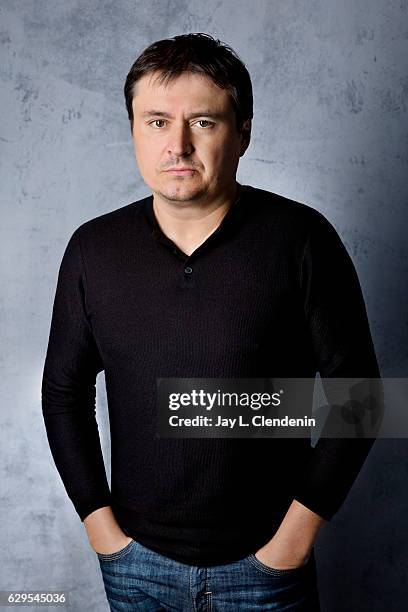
<point x="186" y="90"/>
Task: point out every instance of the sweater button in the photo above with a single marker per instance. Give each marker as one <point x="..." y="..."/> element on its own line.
<point x="188" y="270"/>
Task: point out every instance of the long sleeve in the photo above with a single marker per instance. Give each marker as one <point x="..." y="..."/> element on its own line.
<point x="68" y="389"/>
<point x="337" y="321"/>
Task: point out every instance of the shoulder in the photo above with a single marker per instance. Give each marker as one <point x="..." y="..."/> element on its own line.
<point x="112" y="220"/>
<point x="110" y="226"/>
<point x="291" y="215"/>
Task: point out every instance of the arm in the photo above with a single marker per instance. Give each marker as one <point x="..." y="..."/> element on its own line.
<point x="104" y="532"/>
<point x="68" y="389"/>
<point x="291" y="544"/>
<point x="336" y="318"/>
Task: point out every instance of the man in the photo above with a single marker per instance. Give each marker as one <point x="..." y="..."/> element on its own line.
<point x="203" y="278"/>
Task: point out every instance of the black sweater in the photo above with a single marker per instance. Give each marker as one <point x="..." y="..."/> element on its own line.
<point x="272" y="292"/>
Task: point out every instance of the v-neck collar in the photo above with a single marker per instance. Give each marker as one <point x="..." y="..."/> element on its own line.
<point x="231" y="217"/>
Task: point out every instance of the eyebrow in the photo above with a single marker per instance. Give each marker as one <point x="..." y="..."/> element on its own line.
<point x="201" y="113"/>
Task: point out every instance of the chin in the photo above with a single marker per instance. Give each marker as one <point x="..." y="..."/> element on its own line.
<point x="182" y="194"/>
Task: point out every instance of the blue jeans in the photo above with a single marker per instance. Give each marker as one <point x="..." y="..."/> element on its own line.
<point x="137" y="578"/>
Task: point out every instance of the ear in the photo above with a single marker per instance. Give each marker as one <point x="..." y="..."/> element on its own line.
<point x="245" y="136"/>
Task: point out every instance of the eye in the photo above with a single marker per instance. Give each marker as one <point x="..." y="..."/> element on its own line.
<point x="157" y="121"/>
<point x="209" y="123"/>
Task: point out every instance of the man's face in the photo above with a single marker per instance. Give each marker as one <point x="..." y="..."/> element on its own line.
<point x="187" y="124"/>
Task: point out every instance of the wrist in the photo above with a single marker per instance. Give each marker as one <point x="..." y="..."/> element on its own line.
<point x="299" y="529"/>
<point x="102" y="525"/>
<point x="298" y="543"/>
<point x="284" y="554"/>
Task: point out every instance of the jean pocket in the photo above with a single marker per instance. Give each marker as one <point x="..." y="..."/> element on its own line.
<point x="117" y="554"/>
<point x="273" y="571"/>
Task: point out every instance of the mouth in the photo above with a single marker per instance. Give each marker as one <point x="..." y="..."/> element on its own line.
<point x="181" y="171"/>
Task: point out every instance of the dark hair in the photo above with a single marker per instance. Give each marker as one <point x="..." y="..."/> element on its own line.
<point x="195" y="52"/>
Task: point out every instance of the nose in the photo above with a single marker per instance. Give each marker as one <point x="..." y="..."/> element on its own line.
<point x="179" y="143"/>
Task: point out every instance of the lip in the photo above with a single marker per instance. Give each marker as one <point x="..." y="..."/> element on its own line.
<point x="181" y="170"/>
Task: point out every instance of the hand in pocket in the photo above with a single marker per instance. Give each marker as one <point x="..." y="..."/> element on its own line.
<point x="111" y="546"/>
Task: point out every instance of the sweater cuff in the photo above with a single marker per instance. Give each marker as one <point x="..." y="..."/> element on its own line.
<point x="84" y="510"/>
<point x="326" y="479"/>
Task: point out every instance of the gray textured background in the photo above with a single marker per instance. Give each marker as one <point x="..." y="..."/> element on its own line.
<point x="330" y="129"/>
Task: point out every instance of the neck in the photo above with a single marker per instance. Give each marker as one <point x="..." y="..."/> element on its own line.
<point x="189" y="224"/>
